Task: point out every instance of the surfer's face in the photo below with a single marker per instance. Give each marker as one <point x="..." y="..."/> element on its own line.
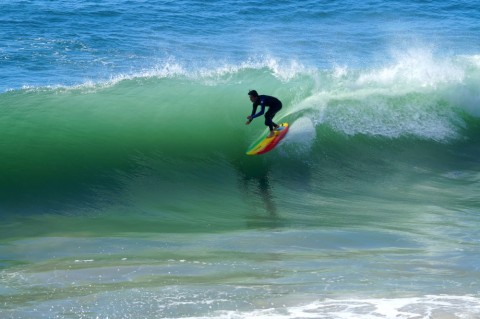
<point x="253" y="98"/>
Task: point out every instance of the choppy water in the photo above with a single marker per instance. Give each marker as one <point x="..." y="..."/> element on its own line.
<point x="125" y="191"/>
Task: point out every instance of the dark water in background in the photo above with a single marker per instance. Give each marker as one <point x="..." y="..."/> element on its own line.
<point x="125" y="191"/>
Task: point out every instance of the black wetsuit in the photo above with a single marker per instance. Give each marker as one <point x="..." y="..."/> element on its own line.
<point x="274" y="105"/>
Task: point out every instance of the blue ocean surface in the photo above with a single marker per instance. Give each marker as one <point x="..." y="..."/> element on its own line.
<point x="125" y="190"/>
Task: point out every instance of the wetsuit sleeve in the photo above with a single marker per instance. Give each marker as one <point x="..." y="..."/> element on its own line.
<point x="262" y="110"/>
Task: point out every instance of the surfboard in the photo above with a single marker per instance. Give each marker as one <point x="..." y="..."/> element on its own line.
<point x="265" y="144"/>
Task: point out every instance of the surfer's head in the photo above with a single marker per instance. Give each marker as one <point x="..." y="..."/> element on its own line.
<point x="253" y="95"/>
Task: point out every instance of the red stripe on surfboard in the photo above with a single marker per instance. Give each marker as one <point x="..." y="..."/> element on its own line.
<point x="275" y="141"/>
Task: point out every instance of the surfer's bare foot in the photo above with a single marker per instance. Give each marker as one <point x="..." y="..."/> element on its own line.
<point x="271" y="134"/>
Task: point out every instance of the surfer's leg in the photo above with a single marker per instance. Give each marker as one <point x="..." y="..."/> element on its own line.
<point x="270" y="114"/>
<point x="268" y="122"/>
<point x="275" y="110"/>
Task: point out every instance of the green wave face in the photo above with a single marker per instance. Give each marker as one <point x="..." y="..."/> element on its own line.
<point x="174" y="146"/>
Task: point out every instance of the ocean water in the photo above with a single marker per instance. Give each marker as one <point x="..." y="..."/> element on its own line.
<point x="125" y="191"/>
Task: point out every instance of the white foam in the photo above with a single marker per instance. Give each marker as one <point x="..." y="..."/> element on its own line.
<point x="418" y="94"/>
<point x="378" y="116"/>
<point x="428" y="307"/>
<point x="284" y="70"/>
<point x="417" y="67"/>
<point x="301" y="134"/>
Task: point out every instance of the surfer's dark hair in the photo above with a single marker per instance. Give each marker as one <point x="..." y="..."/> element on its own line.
<point x="253" y="93"/>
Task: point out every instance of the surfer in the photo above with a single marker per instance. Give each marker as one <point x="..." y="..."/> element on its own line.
<point x="274" y="105"/>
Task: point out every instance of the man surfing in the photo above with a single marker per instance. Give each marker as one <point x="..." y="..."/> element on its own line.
<point x="274" y="105"/>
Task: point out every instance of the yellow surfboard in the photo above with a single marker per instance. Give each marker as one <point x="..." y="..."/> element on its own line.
<point x="266" y="144"/>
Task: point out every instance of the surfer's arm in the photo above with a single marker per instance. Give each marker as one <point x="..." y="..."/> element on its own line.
<point x="259" y="113"/>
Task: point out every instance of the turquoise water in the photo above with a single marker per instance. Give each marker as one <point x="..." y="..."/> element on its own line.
<point x="125" y="191"/>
